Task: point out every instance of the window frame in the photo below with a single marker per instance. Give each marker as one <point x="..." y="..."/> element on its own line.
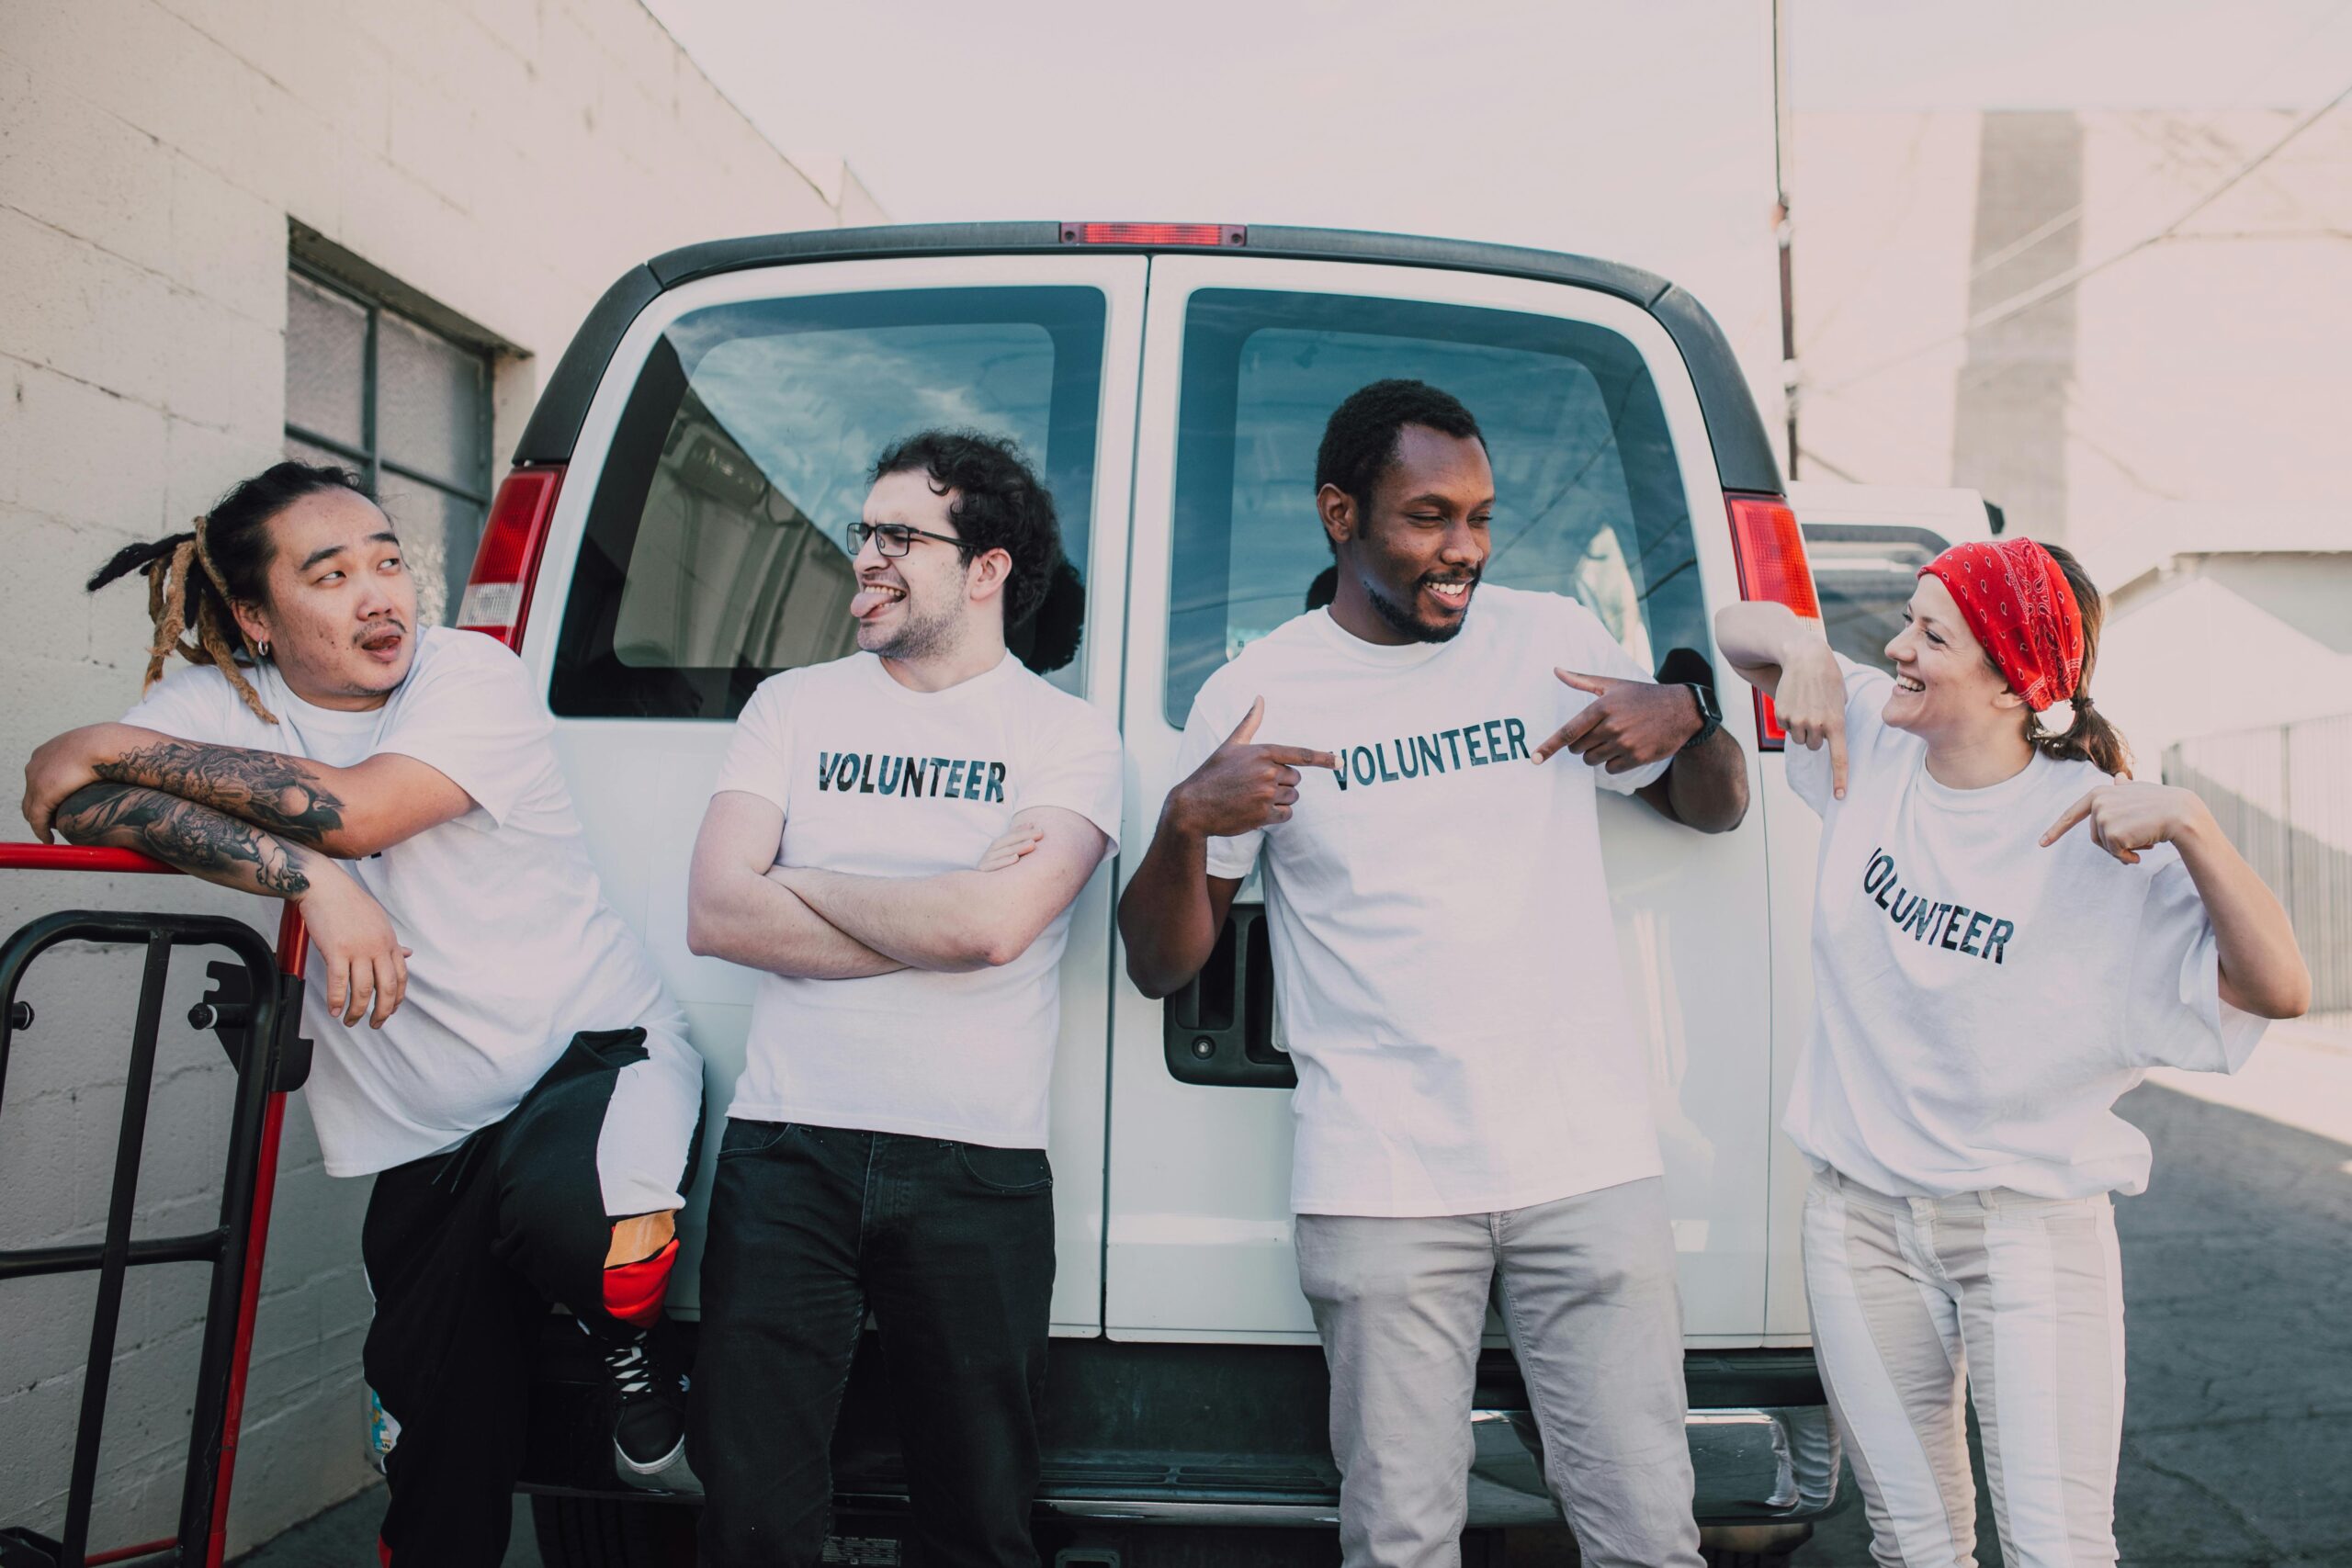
<point x="368" y="454"/>
<point x="1210" y="359"/>
<point x="580" y="658"/>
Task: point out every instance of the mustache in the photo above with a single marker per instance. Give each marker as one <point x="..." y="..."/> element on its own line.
<point x="374" y="629"/>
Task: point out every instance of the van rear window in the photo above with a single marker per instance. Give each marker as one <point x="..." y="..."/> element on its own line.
<point x="1863" y="573"/>
<point x="1588" y="497"/>
<point x="714" y="554"/>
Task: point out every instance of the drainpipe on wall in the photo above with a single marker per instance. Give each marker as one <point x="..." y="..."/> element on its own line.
<point x="1783" y="150"/>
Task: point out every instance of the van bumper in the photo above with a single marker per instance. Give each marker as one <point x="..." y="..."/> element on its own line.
<point x="1237" y="1434"/>
<point x="1751" y="1465"/>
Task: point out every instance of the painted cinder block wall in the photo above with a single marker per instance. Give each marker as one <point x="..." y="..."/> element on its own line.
<point x="504" y="158"/>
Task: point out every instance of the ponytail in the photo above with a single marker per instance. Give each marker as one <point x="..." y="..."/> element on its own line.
<point x="2090" y="738"/>
<point x="196" y="580"/>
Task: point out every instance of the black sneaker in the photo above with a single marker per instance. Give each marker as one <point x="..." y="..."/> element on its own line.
<point x="650" y="1432"/>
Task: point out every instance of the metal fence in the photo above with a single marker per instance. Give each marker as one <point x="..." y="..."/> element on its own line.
<point x="2284" y="797"/>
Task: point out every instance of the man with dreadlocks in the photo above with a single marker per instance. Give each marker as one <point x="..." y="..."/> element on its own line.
<point x="525" y="1094"/>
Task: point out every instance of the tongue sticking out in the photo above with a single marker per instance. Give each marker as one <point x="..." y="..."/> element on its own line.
<point x="869" y="600"/>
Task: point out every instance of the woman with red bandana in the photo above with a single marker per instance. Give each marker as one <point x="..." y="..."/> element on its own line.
<point x="2006" y="935"/>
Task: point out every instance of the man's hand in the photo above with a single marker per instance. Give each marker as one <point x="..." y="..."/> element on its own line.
<point x="367" y="966"/>
<point x="59" y="767"/>
<point x="1241" y="787"/>
<point x="1019" y="839"/>
<point x="2128" y="818"/>
<point x="1628" y="723"/>
<point x="1810" y="703"/>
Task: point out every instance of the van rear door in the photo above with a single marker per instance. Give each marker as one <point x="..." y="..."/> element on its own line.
<point x="1608" y="492"/>
<point x="697" y="547"/>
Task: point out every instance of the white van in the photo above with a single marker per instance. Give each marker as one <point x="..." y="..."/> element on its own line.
<point x="672" y="534"/>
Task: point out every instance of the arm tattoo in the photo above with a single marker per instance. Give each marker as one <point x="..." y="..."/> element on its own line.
<point x="179" y="832"/>
<point x="267" y="789"/>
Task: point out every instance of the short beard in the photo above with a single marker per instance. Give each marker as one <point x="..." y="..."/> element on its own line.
<point x="1410" y="627"/>
<point x="921" y="636"/>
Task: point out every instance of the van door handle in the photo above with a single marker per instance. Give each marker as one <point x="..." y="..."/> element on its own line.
<point x="1220" y="1028"/>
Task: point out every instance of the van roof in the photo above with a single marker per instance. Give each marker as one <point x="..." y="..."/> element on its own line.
<point x="1744" y="458"/>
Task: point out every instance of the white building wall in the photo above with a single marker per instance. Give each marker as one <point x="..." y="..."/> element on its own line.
<point x="2205" y="365"/>
<point x="505" y="158"/>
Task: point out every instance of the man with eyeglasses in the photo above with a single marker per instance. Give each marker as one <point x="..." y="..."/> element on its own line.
<point x="894" y="842"/>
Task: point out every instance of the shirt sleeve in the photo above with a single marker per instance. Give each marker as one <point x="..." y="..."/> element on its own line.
<point x="1591" y="649"/>
<point x="759" y="755"/>
<point x="1808" y="766"/>
<point x="470" y="715"/>
<point x="2175" y="1016"/>
<point x="1212" y="719"/>
<point x="1081" y="774"/>
<point x="186" y="705"/>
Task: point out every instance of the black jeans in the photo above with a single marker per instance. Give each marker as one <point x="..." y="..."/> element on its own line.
<point x="952" y="1246"/>
<point x="464" y="1251"/>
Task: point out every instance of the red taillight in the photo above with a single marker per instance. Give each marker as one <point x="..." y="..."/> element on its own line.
<point x="1155" y="234"/>
<point x="1770" y="550"/>
<point x="498" y="590"/>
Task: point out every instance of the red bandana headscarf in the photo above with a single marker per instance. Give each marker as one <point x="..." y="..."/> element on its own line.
<point x="2016" y="600"/>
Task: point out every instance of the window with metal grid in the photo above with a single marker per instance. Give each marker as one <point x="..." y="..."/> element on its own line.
<point x="408" y="408"/>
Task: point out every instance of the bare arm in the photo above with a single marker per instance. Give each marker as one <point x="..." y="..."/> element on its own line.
<point x="737" y="910"/>
<point x="1706" y="786"/>
<point x="1758" y="637"/>
<point x="348" y="813"/>
<point x="2262" y="969"/>
<point x="961" y="920"/>
<point x="1174" y="909"/>
<point x="365" y="965"/>
<point x="1788" y="658"/>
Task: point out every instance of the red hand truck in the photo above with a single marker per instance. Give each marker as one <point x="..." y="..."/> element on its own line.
<point x="255" y="1009"/>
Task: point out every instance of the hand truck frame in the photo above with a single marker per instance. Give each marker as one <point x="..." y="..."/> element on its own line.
<point x="254" y="1007"/>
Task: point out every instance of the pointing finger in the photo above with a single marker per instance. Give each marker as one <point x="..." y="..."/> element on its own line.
<point x="2074" y="814"/>
<point x="1596" y="684"/>
<point x="1570" y="732"/>
<point x="1300" y="757"/>
<point x="1249" y="725"/>
<point x="1838" y="755"/>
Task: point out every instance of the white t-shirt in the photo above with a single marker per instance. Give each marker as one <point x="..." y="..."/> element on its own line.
<point x="1445" y="956"/>
<point x="1980" y="1002"/>
<point x="877" y="780"/>
<point x="515" y="949"/>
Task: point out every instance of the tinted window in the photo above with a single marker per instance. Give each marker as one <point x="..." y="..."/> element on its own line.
<point x="1864" y="574"/>
<point x="714" y="555"/>
<point x="1588" y="497"/>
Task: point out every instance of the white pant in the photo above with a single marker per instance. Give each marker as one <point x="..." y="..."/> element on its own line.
<point x="656" y="1109"/>
<point x="1919" y="1302"/>
<point x="1588" y="1298"/>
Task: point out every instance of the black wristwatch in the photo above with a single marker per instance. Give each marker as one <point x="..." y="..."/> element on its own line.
<point x="1711" y="712"/>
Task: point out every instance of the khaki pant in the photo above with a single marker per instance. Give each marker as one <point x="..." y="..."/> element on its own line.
<point x="1588" y="1298"/>
<point x="1918" y="1303"/>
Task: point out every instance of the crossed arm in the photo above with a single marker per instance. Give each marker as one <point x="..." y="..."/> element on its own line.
<point x="807" y="923"/>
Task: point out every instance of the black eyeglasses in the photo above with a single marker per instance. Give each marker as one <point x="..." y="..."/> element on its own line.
<point x="894" y="540"/>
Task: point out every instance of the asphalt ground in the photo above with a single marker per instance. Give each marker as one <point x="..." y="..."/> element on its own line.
<point x="2237" y="1277"/>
